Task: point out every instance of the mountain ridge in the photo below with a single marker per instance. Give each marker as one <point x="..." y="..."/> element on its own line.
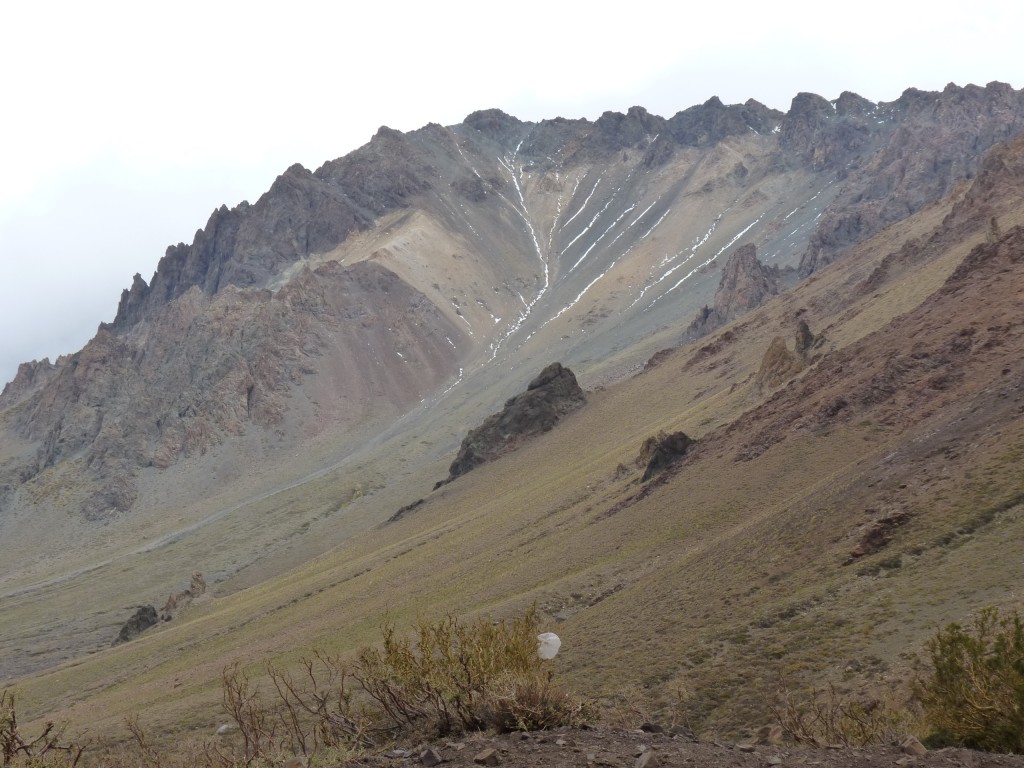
<point x="469" y="257"/>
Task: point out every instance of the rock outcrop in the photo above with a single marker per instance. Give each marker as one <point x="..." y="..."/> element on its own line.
<point x="143" y="618"/>
<point x="178" y="601"/>
<point x="203" y="368"/>
<point x="746" y="283"/>
<point x="896" y="157"/>
<point x="553" y="394"/>
<point x="713" y="121"/>
<point x="779" y="363"/>
<point x="878" y="535"/>
<point x="30" y="376"/>
<point x="661" y="451"/>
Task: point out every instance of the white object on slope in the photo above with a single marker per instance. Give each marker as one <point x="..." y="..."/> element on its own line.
<point x="548" y="645"/>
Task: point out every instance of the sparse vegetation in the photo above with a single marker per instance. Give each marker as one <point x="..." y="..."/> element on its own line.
<point x="451" y="676"/>
<point x="973" y="692"/>
<point x="48" y="748"/>
<point x="309" y="713"/>
<point x="826" y="717"/>
<point x="457" y="676"/>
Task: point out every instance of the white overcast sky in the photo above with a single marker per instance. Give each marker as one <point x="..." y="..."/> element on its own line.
<point x="124" y="124"/>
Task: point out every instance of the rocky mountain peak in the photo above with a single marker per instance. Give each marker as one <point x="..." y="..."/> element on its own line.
<point x="901" y="156"/>
<point x="296" y="170"/>
<point x="384" y="133"/>
<point x="301" y="214"/>
<point x="806" y="104"/>
<point x="618" y="131"/>
<point x="814" y="133"/>
<point x="713" y="121"/>
<point x="494" y="124"/>
<point x="850" y="103"/>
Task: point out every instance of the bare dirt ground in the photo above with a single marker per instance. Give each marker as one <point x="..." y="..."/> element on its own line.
<point x="602" y="748"/>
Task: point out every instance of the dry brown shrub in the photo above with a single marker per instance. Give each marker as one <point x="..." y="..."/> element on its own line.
<point x="827" y="718"/>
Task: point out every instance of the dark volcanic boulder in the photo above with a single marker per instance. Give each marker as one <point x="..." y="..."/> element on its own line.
<point x="144" y="618"/>
<point x="551" y="395"/>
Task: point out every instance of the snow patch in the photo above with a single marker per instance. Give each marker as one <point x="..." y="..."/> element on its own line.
<point x="655" y="226"/>
<point x="454" y="384"/>
<point x="584" y="202"/>
<point x="722" y="250"/>
<point x="601" y="237"/>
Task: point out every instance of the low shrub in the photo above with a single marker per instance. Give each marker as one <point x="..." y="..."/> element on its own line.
<point x="447" y="676"/>
<point x="826" y="717"/>
<point x="973" y="692"/>
<point x="453" y="676"/>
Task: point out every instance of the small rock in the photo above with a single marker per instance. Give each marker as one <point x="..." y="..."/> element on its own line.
<point x="397" y="754"/>
<point x="226" y="729"/>
<point x="681" y="730"/>
<point x="458" y="746"/>
<point x="430" y="757"/>
<point x="487" y="757"/>
<point x="769" y="734"/>
<point x="774" y="760"/>
<point x="745" y="747"/>
<point x="911" y="746"/>
<point x="562" y="742"/>
<point x="639" y="750"/>
<point x="591" y="757"/>
<point x="651" y="728"/>
<point x="646" y="760"/>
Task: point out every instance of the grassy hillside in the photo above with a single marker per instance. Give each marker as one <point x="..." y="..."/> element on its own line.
<point x="725" y="576"/>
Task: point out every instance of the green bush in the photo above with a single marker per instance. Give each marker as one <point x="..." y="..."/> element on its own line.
<point x="973" y="694"/>
<point x="453" y="676"/>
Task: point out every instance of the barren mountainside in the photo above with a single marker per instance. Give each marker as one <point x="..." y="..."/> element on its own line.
<point x="813" y="314"/>
<point x="572" y="235"/>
